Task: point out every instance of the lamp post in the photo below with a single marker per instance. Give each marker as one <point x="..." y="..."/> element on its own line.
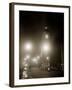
<point x="45" y="47"/>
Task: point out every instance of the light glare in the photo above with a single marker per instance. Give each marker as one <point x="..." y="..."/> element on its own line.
<point x="25" y="59"/>
<point x="47" y="57"/>
<point x="46" y="36"/>
<point x="28" y="46"/>
<point x="26" y="65"/>
<point x="34" y="60"/>
<point x="38" y="57"/>
<point x="46" y="47"/>
<point x="28" y="56"/>
<point x="25" y="68"/>
<point x="48" y="69"/>
<point x="25" y="74"/>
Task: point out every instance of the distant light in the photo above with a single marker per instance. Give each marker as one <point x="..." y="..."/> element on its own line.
<point x="46" y="47"/>
<point x="34" y="60"/>
<point x="47" y="57"/>
<point x="28" y="56"/>
<point x="28" y="46"/>
<point x="26" y="65"/>
<point x="46" y="36"/>
<point x="25" y="74"/>
<point x="25" y="59"/>
<point x="62" y="64"/>
<point x="46" y="27"/>
<point x="38" y="57"/>
<point x="48" y="69"/>
<point x="25" y="68"/>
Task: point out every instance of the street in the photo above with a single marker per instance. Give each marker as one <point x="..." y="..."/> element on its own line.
<point x="36" y="72"/>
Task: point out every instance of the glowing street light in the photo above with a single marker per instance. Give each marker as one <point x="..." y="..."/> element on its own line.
<point x="34" y="60"/>
<point x="28" y="56"/>
<point x="48" y="69"/>
<point x="47" y="57"/>
<point x="25" y="68"/>
<point x="28" y="46"/>
<point x="26" y="65"/>
<point x="25" y="59"/>
<point x="46" y="47"/>
<point x="25" y="75"/>
<point x="38" y="57"/>
<point x="46" y="36"/>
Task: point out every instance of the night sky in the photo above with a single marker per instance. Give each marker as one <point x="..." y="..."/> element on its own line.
<point x="32" y="25"/>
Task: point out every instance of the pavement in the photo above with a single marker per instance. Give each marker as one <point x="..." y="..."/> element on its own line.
<point x="37" y="72"/>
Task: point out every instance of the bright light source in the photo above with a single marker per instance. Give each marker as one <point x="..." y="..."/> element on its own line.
<point x="46" y="47"/>
<point x="28" y="46"/>
<point x="25" y="74"/>
<point x="47" y="57"/>
<point x="38" y="57"/>
<point x="48" y="69"/>
<point x="26" y="65"/>
<point x="25" y="68"/>
<point x="34" y="60"/>
<point x="25" y="59"/>
<point x="28" y="56"/>
<point x="46" y="36"/>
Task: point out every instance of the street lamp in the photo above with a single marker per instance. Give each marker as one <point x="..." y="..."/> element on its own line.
<point x="46" y="47"/>
<point x="48" y="58"/>
<point x="38" y="57"/>
<point x="28" y="46"/>
<point x="27" y="57"/>
<point x="34" y="60"/>
<point x="46" y="36"/>
<point x="25" y="75"/>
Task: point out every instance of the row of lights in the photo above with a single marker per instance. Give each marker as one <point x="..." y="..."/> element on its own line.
<point x="34" y="59"/>
<point x="28" y="47"/>
<point x="45" y="46"/>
